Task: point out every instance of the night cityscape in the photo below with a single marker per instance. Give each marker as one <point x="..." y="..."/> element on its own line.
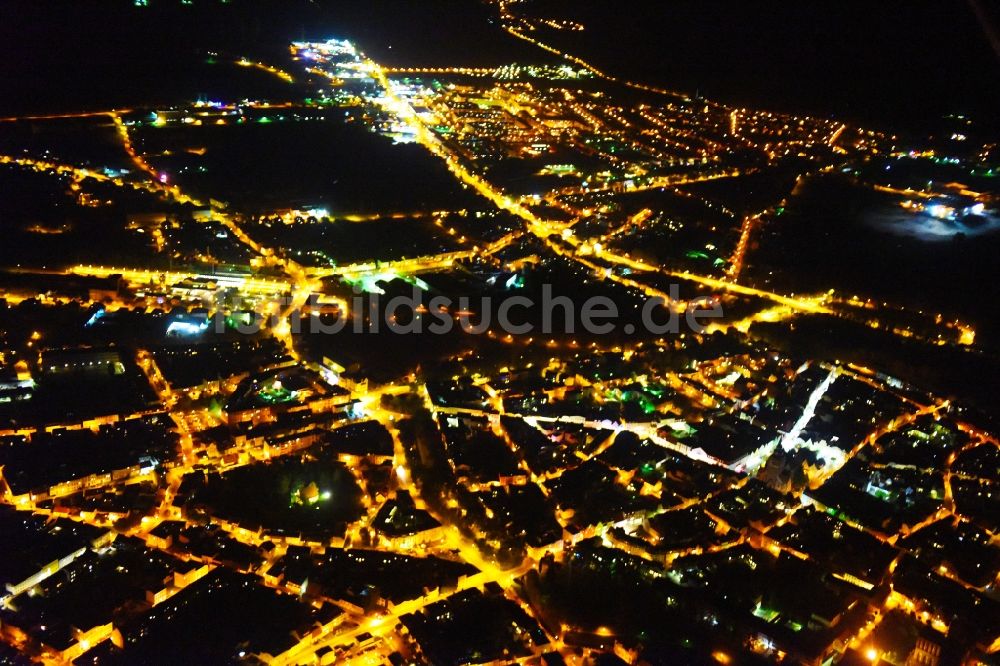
<point x="500" y="332"/>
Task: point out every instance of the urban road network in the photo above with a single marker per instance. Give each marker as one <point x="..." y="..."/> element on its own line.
<point x="665" y="127"/>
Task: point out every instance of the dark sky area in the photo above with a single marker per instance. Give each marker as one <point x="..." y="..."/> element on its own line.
<point x="894" y="63"/>
<point x="889" y="61"/>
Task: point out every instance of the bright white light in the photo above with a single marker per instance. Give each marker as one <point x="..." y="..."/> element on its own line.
<point x="186" y="328"/>
<point x="940" y="211"/>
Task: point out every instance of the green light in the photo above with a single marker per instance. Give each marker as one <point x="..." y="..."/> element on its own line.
<point x="766" y="614"/>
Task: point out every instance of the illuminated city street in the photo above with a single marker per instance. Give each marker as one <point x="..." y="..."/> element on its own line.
<point x="299" y="361"/>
